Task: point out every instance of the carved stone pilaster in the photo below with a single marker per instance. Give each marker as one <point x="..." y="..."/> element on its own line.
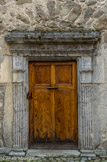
<point x="86" y="117"/>
<point x="18" y="116"/>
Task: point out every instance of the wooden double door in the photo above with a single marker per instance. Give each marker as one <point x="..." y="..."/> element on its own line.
<point x="53" y="102"/>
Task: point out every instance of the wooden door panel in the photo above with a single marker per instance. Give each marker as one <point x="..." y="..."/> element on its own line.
<point x="64" y="112"/>
<point x="42" y="74"/>
<point x="43" y="115"/>
<point x="63" y="74"/>
<point x="53" y="112"/>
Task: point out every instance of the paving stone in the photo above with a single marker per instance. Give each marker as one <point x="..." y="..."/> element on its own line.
<point x="13" y="153"/>
<point x="53" y="153"/>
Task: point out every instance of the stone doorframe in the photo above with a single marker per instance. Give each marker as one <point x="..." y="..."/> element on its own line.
<point x="77" y="45"/>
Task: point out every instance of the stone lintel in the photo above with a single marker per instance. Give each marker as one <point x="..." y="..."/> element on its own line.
<point x="30" y="44"/>
<point x="74" y="36"/>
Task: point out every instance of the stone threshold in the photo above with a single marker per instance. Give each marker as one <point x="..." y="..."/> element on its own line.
<point x="51" y="155"/>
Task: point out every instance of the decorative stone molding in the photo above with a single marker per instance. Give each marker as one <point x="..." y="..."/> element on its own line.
<point x="76" y="45"/>
<point x="2" y="93"/>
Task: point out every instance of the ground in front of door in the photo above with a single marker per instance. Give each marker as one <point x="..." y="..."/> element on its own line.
<point x="52" y="156"/>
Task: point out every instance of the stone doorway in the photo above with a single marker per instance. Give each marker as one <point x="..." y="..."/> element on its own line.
<point x="77" y="45"/>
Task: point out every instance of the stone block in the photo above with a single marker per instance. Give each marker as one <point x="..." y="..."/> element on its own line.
<point x="18" y="77"/>
<point x="40" y="12"/>
<point x="68" y="5"/>
<point x="1" y="104"/>
<point x="88" y="155"/>
<point x="0" y="125"/>
<point x="13" y="153"/>
<point x="53" y="153"/>
<point x="51" y="8"/>
<point x="1" y="143"/>
<point x="104" y="144"/>
<point x="101" y="23"/>
<point x="101" y="152"/>
<point x="2" y="2"/>
<point x="86" y="64"/>
<point x="23" y="18"/>
<point x="86" y="77"/>
<point x="91" y="2"/>
<point x="98" y="70"/>
<point x="2" y="150"/>
<point x="105" y="37"/>
<point x="98" y="13"/>
<point x="17" y="63"/>
<point x="20" y="2"/>
<point x="88" y="13"/>
<point x="75" y="12"/>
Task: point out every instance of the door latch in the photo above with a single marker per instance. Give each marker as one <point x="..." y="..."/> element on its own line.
<point x="52" y="88"/>
<point x="29" y="96"/>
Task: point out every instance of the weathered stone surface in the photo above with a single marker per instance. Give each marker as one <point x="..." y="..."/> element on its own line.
<point x="40" y="12"/>
<point x="13" y="153"/>
<point x="86" y="64"/>
<point x="91" y="2"/>
<point x="98" y="13"/>
<point x="58" y="7"/>
<point x="1" y="27"/>
<point x="3" y="9"/>
<point x="101" y="23"/>
<point x="2" y="2"/>
<point x="2" y="150"/>
<point x="82" y="0"/>
<point x="65" y="24"/>
<point x="53" y="153"/>
<point x="101" y="152"/>
<point x="51" y="8"/>
<point x="1" y="143"/>
<point x="75" y="12"/>
<point x="88" y="13"/>
<point x="86" y="77"/>
<point x="66" y="8"/>
<point x="19" y="2"/>
<point x="105" y="8"/>
<point x="105" y="37"/>
<point x="52" y="24"/>
<point x="23" y="19"/>
<point x="98" y="70"/>
<point x="104" y="144"/>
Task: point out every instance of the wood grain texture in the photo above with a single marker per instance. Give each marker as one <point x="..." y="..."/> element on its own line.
<point x="53" y="113"/>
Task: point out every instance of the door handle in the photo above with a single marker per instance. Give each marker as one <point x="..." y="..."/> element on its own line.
<point x="52" y="88"/>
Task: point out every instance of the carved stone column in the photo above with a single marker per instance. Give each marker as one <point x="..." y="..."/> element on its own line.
<point x="20" y="108"/>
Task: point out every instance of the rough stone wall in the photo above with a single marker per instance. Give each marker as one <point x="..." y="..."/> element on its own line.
<point x="52" y="15"/>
